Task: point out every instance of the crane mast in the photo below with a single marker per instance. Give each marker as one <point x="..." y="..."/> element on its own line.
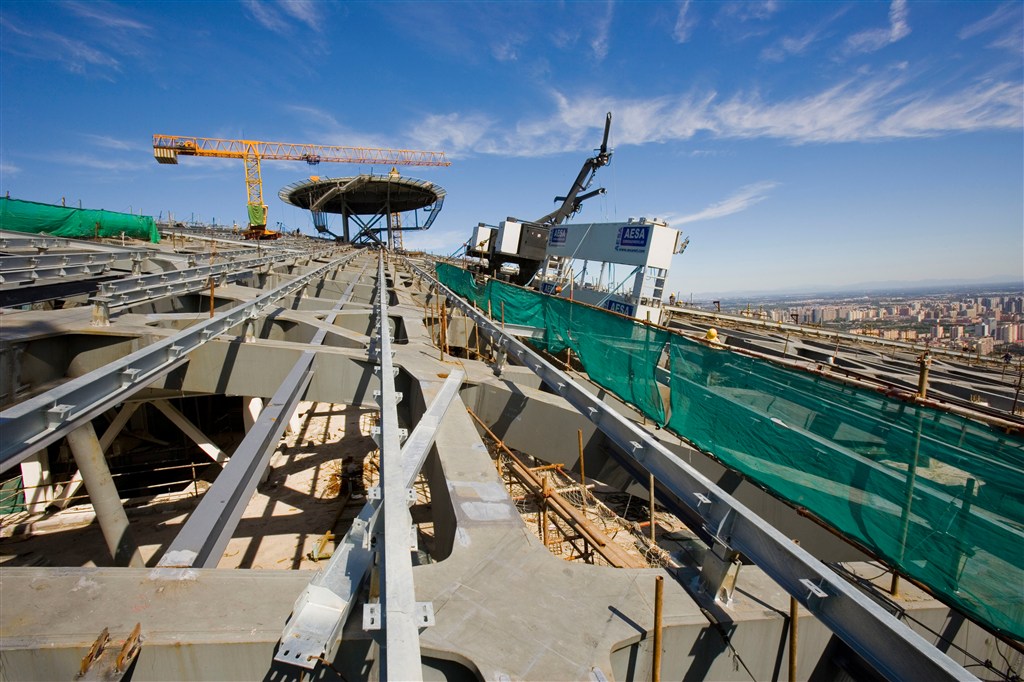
<point x="167" y="149"/>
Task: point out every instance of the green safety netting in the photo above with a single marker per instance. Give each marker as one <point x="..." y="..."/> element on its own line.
<point x="78" y="223"/>
<point x="616" y="353"/>
<point x="939" y="496"/>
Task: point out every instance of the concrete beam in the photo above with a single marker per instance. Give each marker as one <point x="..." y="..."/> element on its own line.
<point x="192" y="431"/>
<point x="85" y="447"/>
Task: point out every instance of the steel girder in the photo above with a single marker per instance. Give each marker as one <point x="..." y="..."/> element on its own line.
<point x="202" y="540"/>
<point x="35" y="423"/>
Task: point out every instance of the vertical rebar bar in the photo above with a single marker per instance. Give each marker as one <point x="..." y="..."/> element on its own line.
<point x="583" y="476"/>
<point x="653" y="526"/>
<point x="659" y="591"/>
<point x="794" y="613"/>
<point x="544" y="512"/>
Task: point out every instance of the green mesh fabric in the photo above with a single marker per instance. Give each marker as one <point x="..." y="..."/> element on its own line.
<point x="939" y="496"/>
<point x="78" y="223"/>
<point x="846" y="454"/>
<point x="616" y="353"/>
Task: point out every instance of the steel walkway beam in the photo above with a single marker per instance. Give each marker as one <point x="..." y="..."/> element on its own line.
<point x="895" y="651"/>
<point x="204" y="537"/>
<point x="397" y="614"/>
<point x="33" y="424"/>
<point x="314" y="630"/>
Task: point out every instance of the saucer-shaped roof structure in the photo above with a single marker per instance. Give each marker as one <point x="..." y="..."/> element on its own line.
<point x="363" y="194"/>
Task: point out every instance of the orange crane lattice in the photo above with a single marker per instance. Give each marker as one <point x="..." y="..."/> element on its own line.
<point x="167" y="148"/>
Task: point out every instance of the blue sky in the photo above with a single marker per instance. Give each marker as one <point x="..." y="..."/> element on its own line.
<point x="801" y="146"/>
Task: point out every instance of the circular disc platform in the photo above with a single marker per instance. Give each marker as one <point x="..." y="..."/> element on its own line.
<point x="363" y="194"/>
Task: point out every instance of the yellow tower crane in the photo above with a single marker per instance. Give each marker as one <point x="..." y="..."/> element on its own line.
<point x="167" y="148"/>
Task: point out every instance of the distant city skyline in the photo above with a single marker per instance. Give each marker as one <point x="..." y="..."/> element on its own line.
<point x="801" y="146"/>
<point x="984" y="321"/>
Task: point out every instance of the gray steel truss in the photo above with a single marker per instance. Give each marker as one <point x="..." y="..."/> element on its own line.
<point x="314" y="630"/>
<point x="133" y="290"/>
<point x="397" y="610"/>
<point x="35" y="423"/>
<point x="895" y="651"/>
<point x="202" y="540"/>
<point x="22" y="269"/>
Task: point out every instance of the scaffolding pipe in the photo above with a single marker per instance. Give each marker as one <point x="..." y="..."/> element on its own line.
<point x="576" y="520"/>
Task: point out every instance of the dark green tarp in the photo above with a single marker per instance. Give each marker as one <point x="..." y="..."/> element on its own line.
<point x="76" y="223"/>
<point x="935" y="494"/>
<point x="617" y="353"/>
<point x="939" y="496"/>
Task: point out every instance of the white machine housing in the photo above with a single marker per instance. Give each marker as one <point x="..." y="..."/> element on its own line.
<point x="646" y="245"/>
<point x="507" y="239"/>
<point x="482" y="237"/>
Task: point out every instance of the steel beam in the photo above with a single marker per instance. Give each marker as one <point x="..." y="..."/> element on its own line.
<point x="191" y="430"/>
<point x="399" y="620"/>
<point x="33" y="424"/>
<point x="202" y="540"/>
<point x="314" y="630"/>
<point x="45" y="274"/>
<point x="896" y="651"/>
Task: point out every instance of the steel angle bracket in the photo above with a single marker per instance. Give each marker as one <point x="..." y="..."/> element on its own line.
<point x="320" y="612"/>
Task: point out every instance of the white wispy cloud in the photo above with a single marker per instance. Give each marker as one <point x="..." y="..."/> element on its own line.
<point x="266" y="15"/>
<point x="453" y="133"/>
<point x="685" y="23"/>
<point x="278" y="16"/>
<point x="883" y="106"/>
<point x="790" y="45"/>
<point x="741" y="200"/>
<point x="506" y="47"/>
<point x="95" y="57"/>
<point x="115" y="143"/>
<point x="322" y="127"/>
<point x="991" y="106"/>
<point x="602" y="33"/>
<point x="9" y="169"/>
<point x="749" y="11"/>
<point x="1007" y="21"/>
<point x="302" y="10"/>
<point x="107" y="15"/>
<point x="875" y="39"/>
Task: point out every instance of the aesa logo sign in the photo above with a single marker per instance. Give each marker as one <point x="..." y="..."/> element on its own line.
<point x="633" y="238"/>
<point x="557" y="236"/>
<point x="620" y="307"/>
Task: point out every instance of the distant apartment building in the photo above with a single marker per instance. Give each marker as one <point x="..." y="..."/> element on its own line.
<point x="1007" y="333"/>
